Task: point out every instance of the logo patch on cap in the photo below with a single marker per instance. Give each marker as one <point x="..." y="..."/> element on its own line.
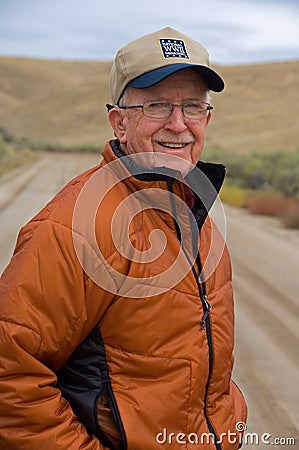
<point x="173" y="48"/>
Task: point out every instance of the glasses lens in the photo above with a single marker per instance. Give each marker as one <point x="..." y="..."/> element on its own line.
<point x="158" y="110"/>
<point x="163" y="110"/>
<point x="196" y="110"/>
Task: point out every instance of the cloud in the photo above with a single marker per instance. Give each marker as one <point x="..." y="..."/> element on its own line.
<point x="232" y="30"/>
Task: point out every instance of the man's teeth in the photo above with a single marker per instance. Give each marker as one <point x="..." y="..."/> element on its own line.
<point x="172" y="145"/>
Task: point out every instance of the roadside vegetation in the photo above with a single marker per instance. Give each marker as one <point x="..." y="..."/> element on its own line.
<point x="264" y="183"/>
<point x="13" y="153"/>
<point x="76" y="148"/>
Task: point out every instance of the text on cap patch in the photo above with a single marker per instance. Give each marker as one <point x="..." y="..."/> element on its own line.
<point x="173" y="48"/>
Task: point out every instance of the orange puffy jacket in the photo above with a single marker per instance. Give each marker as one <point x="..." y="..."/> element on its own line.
<point x="104" y="298"/>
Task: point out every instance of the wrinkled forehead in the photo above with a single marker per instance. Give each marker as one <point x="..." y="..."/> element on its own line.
<point x="184" y="84"/>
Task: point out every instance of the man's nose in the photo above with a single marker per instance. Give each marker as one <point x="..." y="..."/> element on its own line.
<point x="176" y="121"/>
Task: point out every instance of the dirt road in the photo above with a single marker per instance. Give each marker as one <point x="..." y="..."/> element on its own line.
<point x="266" y="279"/>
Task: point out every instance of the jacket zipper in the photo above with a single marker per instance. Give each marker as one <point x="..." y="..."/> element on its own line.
<point x="205" y="322"/>
<point x="206" y="325"/>
<point x="207" y="309"/>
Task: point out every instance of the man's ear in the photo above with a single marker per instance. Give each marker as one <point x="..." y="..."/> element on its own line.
<point x="209" y="117"/>
<point x="116" y="121"/>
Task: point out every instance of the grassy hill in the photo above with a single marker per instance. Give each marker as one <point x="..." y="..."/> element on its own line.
<point x="63" y="102"/>
<point x="259" y="109"/>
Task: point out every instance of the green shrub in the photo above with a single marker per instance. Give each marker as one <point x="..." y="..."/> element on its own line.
<point x="233" y="195"/>
<point x="6" y="135"/>
<point x="276" y="171"/>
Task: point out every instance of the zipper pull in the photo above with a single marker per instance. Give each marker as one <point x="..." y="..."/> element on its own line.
<point x="207" y="308"/>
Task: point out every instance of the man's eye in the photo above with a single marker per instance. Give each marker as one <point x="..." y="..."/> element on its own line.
<point x="194" y="105"/>
<point x="194" y="108"/>
<point x="158" y="105"/>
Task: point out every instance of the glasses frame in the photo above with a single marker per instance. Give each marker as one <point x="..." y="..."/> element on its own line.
<point x="172" y="105"/>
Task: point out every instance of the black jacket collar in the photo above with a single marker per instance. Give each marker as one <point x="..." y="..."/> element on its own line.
<point x="205" y="187"/>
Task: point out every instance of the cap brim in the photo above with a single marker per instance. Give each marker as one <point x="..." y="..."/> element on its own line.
<point x="213" y="80"/>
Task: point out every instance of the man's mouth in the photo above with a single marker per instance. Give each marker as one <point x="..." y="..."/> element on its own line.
<point x="173" y="145"/>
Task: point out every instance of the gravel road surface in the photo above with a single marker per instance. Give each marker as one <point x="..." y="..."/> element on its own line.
<point x="265" y="259"/>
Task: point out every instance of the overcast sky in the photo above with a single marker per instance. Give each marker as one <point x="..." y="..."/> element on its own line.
<point x="234" y="31"/>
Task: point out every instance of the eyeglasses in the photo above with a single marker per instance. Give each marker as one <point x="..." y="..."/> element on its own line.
<point x="162" y="110"/>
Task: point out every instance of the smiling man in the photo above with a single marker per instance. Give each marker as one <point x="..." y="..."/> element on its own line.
<point x="168" y="117"/>
<point x="116" y="318"/>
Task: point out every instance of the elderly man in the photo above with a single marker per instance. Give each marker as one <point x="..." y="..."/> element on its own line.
<point x="117" y="321"/>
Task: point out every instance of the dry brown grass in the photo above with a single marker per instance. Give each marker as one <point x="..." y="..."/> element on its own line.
<point x="258" y="111"/>
<point x="54" y="101"/>
<point x="63" y="102"/>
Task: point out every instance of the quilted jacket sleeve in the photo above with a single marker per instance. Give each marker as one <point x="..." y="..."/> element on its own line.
<point x="44" y="315"/>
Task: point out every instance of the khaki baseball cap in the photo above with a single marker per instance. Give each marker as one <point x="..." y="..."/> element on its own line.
<point x="153" y="57"/>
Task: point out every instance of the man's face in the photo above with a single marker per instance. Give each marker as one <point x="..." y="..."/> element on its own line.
<point x="174" y="135"/>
